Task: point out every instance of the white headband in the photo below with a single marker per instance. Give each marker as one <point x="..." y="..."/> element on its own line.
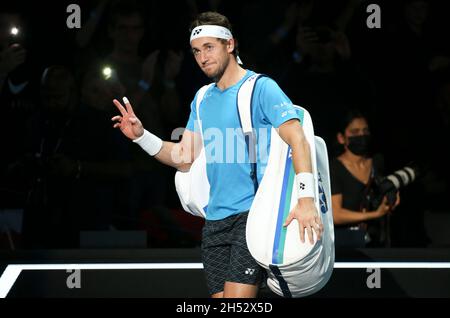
<point x="214" y="31"/>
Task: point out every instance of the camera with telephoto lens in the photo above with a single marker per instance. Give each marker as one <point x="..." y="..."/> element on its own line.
<point x="389" y="185"/>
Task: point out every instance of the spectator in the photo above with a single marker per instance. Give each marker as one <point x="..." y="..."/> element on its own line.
<point x="352" y="175"/>
<point x="323" y="80"/>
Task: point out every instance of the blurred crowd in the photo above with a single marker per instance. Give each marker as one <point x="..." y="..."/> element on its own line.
<point x="65" y="171"/>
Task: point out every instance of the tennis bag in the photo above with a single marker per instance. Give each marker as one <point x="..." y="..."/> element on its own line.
<point x="294" y="269"/>
<point x="193" y="186"/>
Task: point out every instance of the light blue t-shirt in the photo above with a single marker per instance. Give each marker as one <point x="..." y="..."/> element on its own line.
<point x="228" y="166"/>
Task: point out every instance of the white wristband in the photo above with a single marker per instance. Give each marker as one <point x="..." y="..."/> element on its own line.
<point x="306" y="185"/>
<point x="149" y="142"/>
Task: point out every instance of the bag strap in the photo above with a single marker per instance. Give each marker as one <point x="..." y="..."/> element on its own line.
<point x="245" y="110"/>
<point x="201" y="94"/>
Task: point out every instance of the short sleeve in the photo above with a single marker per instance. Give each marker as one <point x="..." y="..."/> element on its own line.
<point x="192" y="123"/>
<point x="276" y="107"/>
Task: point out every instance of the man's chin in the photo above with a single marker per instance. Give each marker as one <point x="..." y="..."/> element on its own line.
<point x="209" y="74"/>
<point x="215" y="76"/>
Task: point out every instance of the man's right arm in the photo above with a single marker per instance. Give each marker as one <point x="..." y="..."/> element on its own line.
<point x="179" y="155"/>
<point x="182" y="154"/>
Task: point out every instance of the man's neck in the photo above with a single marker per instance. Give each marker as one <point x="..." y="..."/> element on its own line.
<point x="233" y="74"/>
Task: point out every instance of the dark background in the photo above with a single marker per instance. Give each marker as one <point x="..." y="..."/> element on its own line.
<point x="398" y="75"/>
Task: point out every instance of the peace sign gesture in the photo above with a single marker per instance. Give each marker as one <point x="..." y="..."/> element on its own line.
<point x="128" y="123"/>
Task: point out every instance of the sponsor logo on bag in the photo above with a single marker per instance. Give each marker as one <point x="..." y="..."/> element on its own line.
<point x="322" y="197"/>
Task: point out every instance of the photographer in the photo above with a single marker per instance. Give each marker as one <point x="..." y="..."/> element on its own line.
<point x="357" y="223"/>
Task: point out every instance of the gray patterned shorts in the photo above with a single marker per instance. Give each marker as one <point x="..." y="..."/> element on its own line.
<point x="225" y="254"/>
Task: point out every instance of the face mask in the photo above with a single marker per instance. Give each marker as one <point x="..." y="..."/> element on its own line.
<point x="359" y="145"/>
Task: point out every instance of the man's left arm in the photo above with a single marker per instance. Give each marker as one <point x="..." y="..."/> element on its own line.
<point x="305" y="210"/>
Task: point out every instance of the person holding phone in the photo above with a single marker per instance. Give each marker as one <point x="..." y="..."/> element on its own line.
<point x="12" y="52"/>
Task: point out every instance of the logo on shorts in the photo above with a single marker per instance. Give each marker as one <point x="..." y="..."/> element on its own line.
<point x="249" y="271"/>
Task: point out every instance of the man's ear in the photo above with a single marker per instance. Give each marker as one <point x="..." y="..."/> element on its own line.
<point x="230" y="45"/>
<point x="340" y="138"/>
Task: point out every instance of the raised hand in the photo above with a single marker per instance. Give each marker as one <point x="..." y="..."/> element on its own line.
<point x="128" y="123"/>
<point x="11" y="57"/>
<point x="306" y="39"/>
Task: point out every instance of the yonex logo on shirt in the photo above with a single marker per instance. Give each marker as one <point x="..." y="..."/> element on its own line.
<point x="252" y="78"/>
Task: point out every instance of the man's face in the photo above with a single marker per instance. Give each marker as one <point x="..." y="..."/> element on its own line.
<point x="212" y="55"/>
<point x="128" y="32"/>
